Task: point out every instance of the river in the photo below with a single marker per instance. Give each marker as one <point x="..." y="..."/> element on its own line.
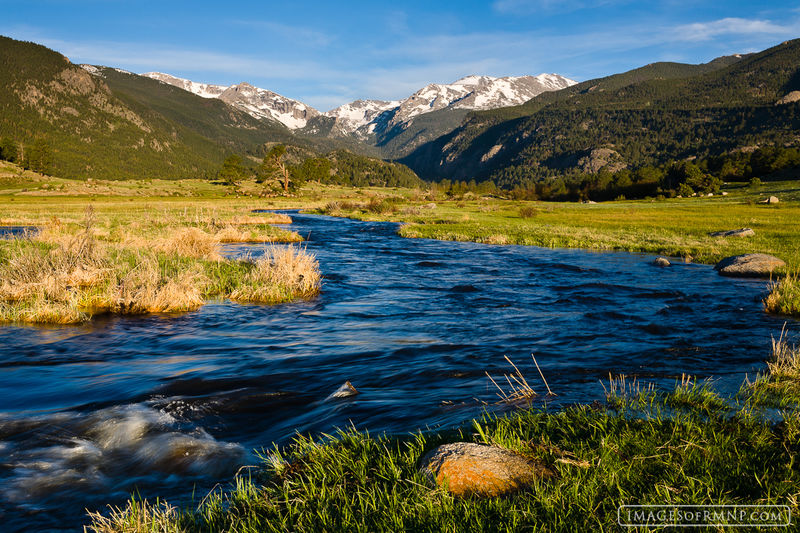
<point x="162" y="404"/>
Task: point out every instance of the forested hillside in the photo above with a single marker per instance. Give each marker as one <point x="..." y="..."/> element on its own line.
<point x="84" y="121"/>
<point x="649" y="116"/>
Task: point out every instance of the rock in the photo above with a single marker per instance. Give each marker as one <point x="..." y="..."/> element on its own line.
<point x="345" y="391"/>
<point x="661" y="261"/>
<point x="723" y="193"/>
<point x="599" y="158"/>
<point x="710" y="194"/>
<point x="749" y="265"/>
<point x="770" y="200"/>
<point x="793" y="96"/>
<point x="479" y="470"/>
<point x="429" y="206"/>
<point x="742" y="232"/>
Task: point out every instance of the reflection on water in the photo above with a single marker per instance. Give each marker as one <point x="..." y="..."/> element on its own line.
<point x="159" y="404"/>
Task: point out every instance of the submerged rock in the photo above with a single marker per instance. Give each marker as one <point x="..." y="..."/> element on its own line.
<point x="345" y="391"/>
<point x="470" y="469"/>
<point x="749" y="265"/>
<point x="741" y="232"/>
<point x="661" y="261"/>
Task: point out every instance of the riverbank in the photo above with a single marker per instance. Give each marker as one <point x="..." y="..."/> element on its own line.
<point x="677" y="228"/>
<point x="144" y="259"/>
<point x="688" y="446"/>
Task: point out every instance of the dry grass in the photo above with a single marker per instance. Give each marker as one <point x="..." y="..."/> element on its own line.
<point x="233" y="234"/>
<point x="70" y="271"/>
<point x="784" y="296"/>
<point x="277" y="275"/>
<point x="271" y="218"/>
<point x="784" y="363"/>
<point x="780" y="384"/>
<point x="519" y="389"/>
<point x="190" y="242"/>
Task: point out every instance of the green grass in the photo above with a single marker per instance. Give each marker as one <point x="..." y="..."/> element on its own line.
<point x="675" y="227"/>
<point x="779" y="386"/>
<point x="784" y="298"/>
<point x="688" y="446"/>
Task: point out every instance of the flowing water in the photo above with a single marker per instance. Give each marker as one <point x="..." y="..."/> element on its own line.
<point x="161" y="404"/>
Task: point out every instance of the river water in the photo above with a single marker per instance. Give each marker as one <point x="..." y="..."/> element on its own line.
<point x="161" y="404"/>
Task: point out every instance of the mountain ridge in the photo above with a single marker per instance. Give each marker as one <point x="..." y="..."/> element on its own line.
<point x="378" y="122"/>
<point x="647" y="116"/>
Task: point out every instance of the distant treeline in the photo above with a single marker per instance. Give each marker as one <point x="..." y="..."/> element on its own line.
<point x="36" y="156"/>
<point x="679" y="178"/>
<point x="285" y="168"/>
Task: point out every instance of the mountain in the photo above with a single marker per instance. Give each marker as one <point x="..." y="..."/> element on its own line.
<point x="106" y="123"/>
<point x="393" y="127"/>
<point x="258" y="103"/>
<point x="396" y="127"/>
<point x="648" y="116"/>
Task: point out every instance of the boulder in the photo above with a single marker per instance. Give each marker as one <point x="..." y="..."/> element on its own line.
<point x="771" y="200"/>
<point x="469" y="469"/>
<point x="741" y="232"/>
<point x="749" y="265"/>
<point x="661" y="261"/>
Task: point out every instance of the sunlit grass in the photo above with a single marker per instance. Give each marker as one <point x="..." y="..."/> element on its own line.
<point x="784" y="296"/>
<point x="780" y="384"/>
<point x="68" y="272"/>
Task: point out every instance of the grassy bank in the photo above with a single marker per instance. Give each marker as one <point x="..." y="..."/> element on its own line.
<point x="685" y="446"/>
<point x="68" y="270"/>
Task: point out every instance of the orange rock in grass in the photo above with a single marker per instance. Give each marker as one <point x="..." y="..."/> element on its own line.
<point x="470" y="469"/>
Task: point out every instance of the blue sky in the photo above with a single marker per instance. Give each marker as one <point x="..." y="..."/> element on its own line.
<point x="329" y="53"/>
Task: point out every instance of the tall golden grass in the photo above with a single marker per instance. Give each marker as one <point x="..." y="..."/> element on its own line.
<point x="65" y="274"/>
<point x="784" y="296"/>
<point x="281" y="274"/>
<point x="785" y="360"/>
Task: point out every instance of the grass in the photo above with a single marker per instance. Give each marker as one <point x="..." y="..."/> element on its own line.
<point x="685" y="447"/>
<point x="68" y="272"/>
<point x="779" y="386"/>
<point x="784" y="296"/>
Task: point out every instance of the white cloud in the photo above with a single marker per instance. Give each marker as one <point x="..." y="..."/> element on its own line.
<point x="297" y="35"/>
<point x="704" y="31"/>
<point x="530" y="7"/>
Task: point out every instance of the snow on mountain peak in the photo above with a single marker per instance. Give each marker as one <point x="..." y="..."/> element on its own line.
<point x="257" y="102"/>
<point x="364" y="117"/>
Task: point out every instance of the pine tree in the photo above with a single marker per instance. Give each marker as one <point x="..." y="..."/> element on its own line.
<point x="232" y="170"/>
